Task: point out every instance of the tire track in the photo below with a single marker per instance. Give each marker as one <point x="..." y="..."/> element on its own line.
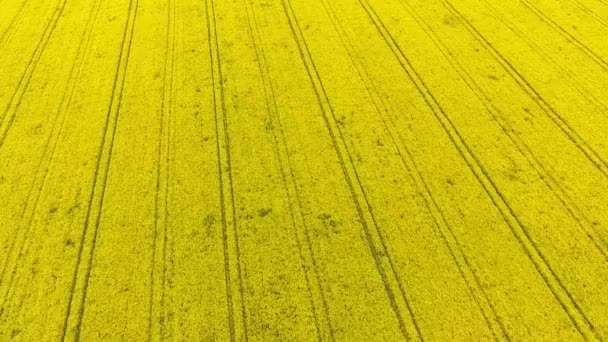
<point x="599" y="60"/>
<point x="5" y="35"/>
<point x="574" y="136"/>
<point x="158" y="277"/>
<point x="306" y="256"/>
<point x="225" y="170"/>
<point x="47" y="157"/>
<point x="82" y="270"/>
<point x="10" y="111"/>
<point x="380" y="254"/>
<point x="446" y="233"/>
<point x="571" y="76"/>
<point x="521" y="146"/>
<point x="587" y="10"/>
<point x="519" y="230"/>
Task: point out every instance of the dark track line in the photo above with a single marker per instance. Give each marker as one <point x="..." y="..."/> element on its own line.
<point x="229" y="300"/>
<point x="520" y="145"/>
<point x="597" y="103"/>
<point x="27" y="75"/>
<point x="576" y="314"/>
<point x="272" y="111"/>
<point x="168" y="229"/>
<point x="301" y="43"/>
<point x="12" y="107"/>
<point x="229" y="167"/>
<point x="574" y="136"/>
<point x="424" y="91"/>
<point x="164" y="139"/>
<point x="547" y="177"/>
<point x="592" y="54"/>
<point x="297" y="192"/>
<point x="518" y="229"/>
<point x="423" y="189"/>
<point x="11" y="25"/>
<point x="590" y="12"/>
<point x="42" y="168"/>
<point x="216" y="62"/>
<point x="106" y="169"/>
<point x="113" y="110"/>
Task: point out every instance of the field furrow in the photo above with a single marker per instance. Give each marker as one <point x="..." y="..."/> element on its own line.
<point x="292" y="170"/>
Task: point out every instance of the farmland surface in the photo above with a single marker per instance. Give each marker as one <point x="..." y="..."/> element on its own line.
<point x="301" y="170"/>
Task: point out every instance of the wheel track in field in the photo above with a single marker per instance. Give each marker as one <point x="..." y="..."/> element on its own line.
<point x="521" y="146"/>
<point x="7" y="32"/>
<point x="84" y="263"/>
<point x="446" y="233"/>
<point x="589" y="52"/>
<point x="519" y="230"/>
<point x="547" y="108"/>
<point x="590" y="12"/>
<point x="386" y="269"/>
<point x="599" y="104"/>
<point x="49" y="152"/>
<point x="10" y="111"/>
<point x="550" y="182"/>
<point x="289" y="183"/>
<point x="158" y="277"/>
<point x="225" y="170"/>
<point x="572" y="134"/>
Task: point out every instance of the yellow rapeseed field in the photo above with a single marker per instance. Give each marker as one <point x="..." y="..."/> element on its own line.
<point x="303" y="170"/>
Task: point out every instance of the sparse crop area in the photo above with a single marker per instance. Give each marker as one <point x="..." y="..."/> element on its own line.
<point x="301" y="170"/>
